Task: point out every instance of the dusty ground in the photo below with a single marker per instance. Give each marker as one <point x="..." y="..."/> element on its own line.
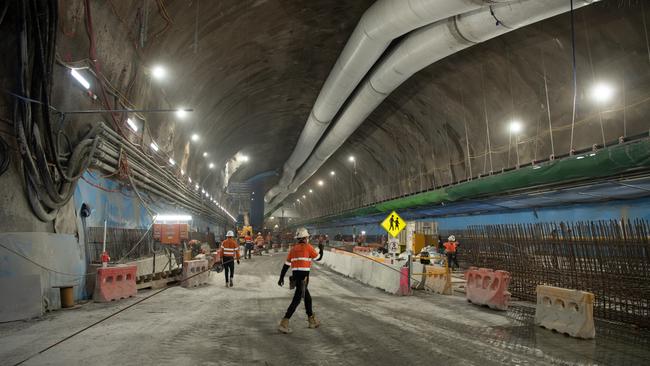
<point x="213" y="325"/>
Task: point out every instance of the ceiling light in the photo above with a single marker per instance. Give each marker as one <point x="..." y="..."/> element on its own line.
<point x="173" y="217"/>
<point x="182" y="172"/>
<point x="320" y="182"/>
<point x="189" y="179"/>
<point x="207" y="194"/>
<point x="244" y="158"/>
<point x="297" y="199"/>
<point x="602" y="92"/>
<point x="80" y="78"/>
<point x="205" y="154"/>
<point x="154" y="147"/>
<point x="211" y="166"/>
<point x="252" y="199"/>
<point x="196" y="186"/>
<point x="172" y="161"/>
<point x="181" y="113"/>
<point x="202" y="190"/>
<point x="311" y="191"/>
<point x="332" y="173"/>
<point x="303" y="196"/>
<point x="515" y="127"/>
<point x="363" y="232"/>
<point x="158" y="72"/>
<point x="195" y="137"/>
<point x="351" y="158"/>
<point x="132" y="124"/>
<point x="272" y="218"/>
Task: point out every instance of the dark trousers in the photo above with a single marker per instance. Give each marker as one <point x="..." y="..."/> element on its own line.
<point x="229" y="267"/>
<point x="302" y="280"/>
<point x="451" y="258"/>
<point x="248" y="250"/>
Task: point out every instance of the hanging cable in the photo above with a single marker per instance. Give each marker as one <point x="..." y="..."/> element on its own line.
<point x="575" y="76"/>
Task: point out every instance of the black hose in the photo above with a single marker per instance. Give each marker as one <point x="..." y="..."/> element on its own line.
<point x="4" y="156"/>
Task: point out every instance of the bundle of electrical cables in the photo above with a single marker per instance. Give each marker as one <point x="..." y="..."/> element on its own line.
<point x="51" y="163"/>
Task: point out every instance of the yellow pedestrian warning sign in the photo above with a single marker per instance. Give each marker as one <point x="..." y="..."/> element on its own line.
<point x="393" y="224"/>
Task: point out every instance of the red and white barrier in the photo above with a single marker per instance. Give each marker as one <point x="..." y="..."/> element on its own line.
<point x="488" y="287"/>
<point x="115" y="283"/>
<point x="195" y="273"/>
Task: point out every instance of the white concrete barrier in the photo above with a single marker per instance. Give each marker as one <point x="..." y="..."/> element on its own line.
<point x="367" y="271"/>
<point x="566" y="311"/>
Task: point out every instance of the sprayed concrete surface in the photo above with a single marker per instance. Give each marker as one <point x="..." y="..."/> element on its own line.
<point x="214" y="325"/>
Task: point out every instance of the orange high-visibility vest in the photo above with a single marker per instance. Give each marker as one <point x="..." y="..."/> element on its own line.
<point x="229" y="248"/>
<point x="450" y="247"/>
<point x="300" y="257"/>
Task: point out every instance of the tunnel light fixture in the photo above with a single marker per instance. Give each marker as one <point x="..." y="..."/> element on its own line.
<point x="303" y="196"/>
<point x="158" y="72"/>
<point x="298" y="200"/>
<point x="132" y="125"/>
<point x="602" y="92"/>
<point x="207" y="194"/>
<point x="75" y="74"/>
<point x="172" y="161"/>
<point x="244" y="158"/>
<point x="181" y="113"/>
<point x="311" y="191"/>
<point x="195" y="137"/>
<point x="332" y="173"/>
<point x="211" y="165"/>
<point x="189" y="179"/>
<point x="351" y="158"/>
<point x="252" y="199"/>
<point x="363" y="232"/>
<point x="202" y="190"/>
<point x="515" y="127"/>
<point x="580" y="157"/>
<point x="182" y="172"/>
<point x="154" y="146"/>
<point x="196" y="186"/>
<point x="173" y="217"/>
<point x="272" y="218"/>
<point x="320" y="183"/>
<point x="205" y="154"/>
<point x="276" y="226"/>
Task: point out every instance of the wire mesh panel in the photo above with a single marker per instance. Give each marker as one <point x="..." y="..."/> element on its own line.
<point x="609" y="258"/>
<point x="120" y="243"/>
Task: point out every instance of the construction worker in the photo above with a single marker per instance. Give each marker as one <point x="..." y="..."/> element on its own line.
<point x="229" y="253"/>
<point x="248" y="245"/>
<point x="450" y="250"/>
<point x="259" y="242"/>
<point x="299" y="260"/>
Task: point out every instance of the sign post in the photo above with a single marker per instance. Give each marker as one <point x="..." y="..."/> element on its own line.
<point x="394" y="224"/>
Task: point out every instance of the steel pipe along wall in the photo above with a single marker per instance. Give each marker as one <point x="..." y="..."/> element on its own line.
<point x="383" y="22"/>
<point x="417" y="51"/>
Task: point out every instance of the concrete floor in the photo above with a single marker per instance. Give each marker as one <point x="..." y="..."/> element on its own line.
<point x="213" y="325"/>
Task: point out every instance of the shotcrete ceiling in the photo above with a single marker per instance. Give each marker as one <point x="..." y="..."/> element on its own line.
<point x="252" y="71"/>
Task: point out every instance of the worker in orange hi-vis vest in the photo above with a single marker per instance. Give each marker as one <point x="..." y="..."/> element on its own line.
<point x="451" y="247"/>
<point x="229" y="253"/>
<point x="299" y="260"/>
<point x="259" y="242"/>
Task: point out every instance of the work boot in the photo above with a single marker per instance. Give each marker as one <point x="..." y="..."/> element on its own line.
<point x="231" y="282"/>
<point x="313" y="322"/>
<point x="284" y="326"/>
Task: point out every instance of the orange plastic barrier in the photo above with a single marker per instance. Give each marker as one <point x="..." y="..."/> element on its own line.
<point x="195" y="273"/>
<point x="114" y="283"/>
<point x="488" y="287"/>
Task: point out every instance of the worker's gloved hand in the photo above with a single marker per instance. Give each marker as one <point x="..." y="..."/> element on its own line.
<point x="281" y="282"/>
<point x="237" y="261"/>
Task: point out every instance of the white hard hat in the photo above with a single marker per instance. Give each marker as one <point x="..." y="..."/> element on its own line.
<point x="230" y="233"/>
<point x="451" y="238"/>
<point x="259" y="233"/>
<point x="301" y="233"/>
